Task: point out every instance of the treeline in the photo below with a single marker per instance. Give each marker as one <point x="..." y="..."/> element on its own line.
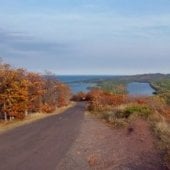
<point x="23" y="92"/>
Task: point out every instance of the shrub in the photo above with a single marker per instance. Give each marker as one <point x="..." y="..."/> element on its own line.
<point x="79" y="97"/>
<point x="100" y="101"/>
<point x="137" y="109"/>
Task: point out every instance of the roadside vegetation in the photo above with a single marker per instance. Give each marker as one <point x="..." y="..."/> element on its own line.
<point x="120" y="109"/>
<point x="23" y="92"/>
<point x="162" y="89"/>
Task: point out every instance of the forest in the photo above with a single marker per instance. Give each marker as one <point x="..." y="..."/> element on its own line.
<point x="23" y="92"/>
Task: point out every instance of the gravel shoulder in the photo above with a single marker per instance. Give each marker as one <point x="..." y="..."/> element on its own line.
<point x="100" y="147"/>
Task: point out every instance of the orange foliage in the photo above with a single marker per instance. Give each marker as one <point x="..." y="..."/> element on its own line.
<point x="36" y="90"/>
<point x="13" y="91"/>
<point x="48" y="108"/>
<point x="22" y="92"/>
<point x="155" y="103"/>
<point x="63" y="95"/>
<point x="100" y="100"/>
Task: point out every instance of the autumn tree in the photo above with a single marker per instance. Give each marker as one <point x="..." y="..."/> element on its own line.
<point x="22" y="92"/>
<point x="13" y="91"/>
<point x="63" y="94"/>
<point x="36" y="91"/>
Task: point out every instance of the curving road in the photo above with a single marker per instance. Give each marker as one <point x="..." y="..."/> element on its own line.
<point x="42" y="144"/>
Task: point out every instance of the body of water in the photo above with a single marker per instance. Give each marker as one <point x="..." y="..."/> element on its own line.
<point x="82" y="83"/>
<point x="143" y="89"/>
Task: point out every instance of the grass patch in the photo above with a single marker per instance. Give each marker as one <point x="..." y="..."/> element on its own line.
<point x="161" y="128"/>
<point x="121" y="115"/>
<point x="136" y="110"/>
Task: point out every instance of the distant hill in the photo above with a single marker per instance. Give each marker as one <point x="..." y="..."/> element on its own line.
<point x="144" y="77"/>
<point x="125" y="78"/>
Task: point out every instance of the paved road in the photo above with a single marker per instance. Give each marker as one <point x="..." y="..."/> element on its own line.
<point x="42" y="144"/>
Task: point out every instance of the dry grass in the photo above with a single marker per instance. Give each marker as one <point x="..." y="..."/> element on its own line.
<point x="5" y="126"/>
<point x="122" y="115"/>
<point x="161" y="128"/>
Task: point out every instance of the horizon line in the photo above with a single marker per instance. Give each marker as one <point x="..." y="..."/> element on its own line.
<point x="110" y="74"/>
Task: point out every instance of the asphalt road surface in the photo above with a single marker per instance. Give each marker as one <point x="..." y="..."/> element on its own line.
<point x="42" y="144"/>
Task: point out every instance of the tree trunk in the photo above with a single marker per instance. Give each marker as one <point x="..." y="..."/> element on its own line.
<point x="5" y="114"/>
<point x="5" y="117"/>
<point x="26" y="113"/>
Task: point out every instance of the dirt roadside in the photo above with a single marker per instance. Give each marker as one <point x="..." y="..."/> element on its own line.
<point x="101" y="147"/>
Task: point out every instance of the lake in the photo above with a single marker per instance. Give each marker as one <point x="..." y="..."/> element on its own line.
<point x="143" y="89"/>
<point x="82" y="83"/>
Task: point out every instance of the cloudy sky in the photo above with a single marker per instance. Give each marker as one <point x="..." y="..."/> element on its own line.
<point x="86" y="36"/>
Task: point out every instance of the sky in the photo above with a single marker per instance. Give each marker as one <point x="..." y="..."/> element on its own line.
<point x="108" y="37"/>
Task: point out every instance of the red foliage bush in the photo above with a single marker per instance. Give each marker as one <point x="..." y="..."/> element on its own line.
<point x="100" y="100"/>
